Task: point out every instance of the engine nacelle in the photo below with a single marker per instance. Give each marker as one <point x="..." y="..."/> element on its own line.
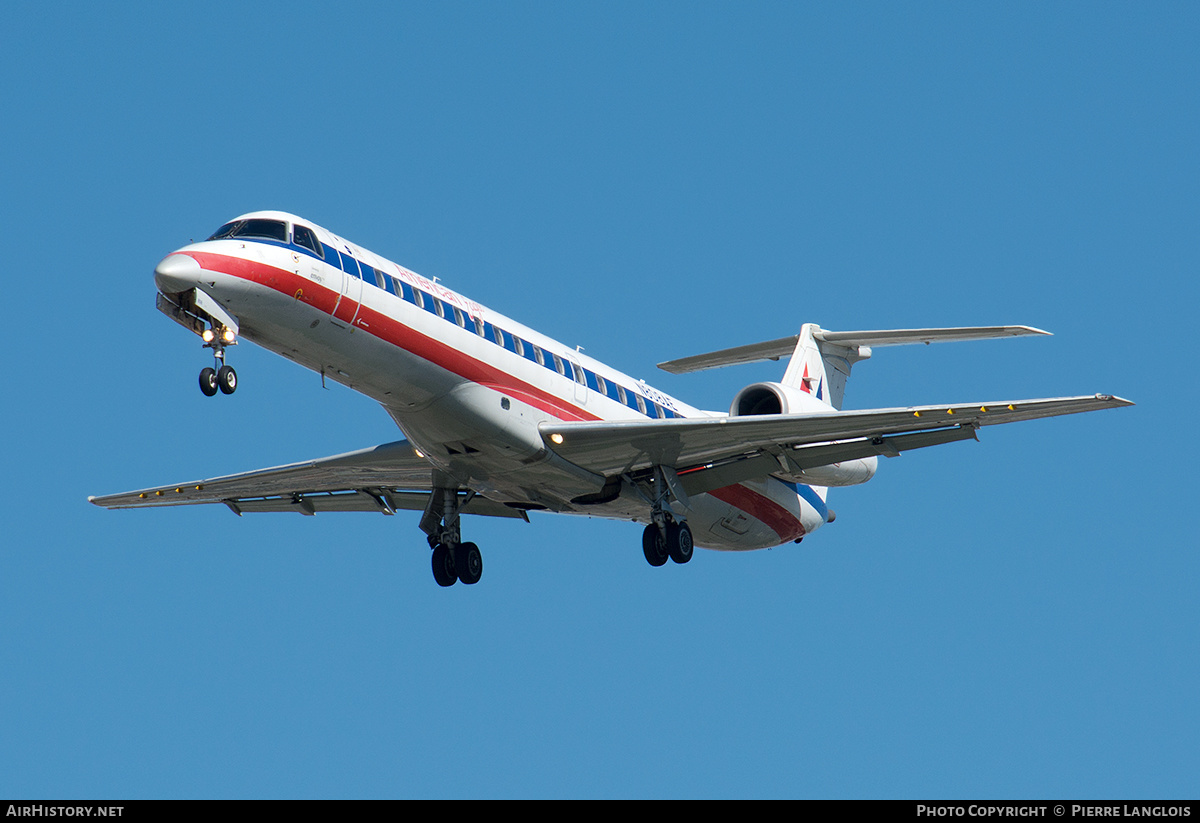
<point x="776" y="398"/>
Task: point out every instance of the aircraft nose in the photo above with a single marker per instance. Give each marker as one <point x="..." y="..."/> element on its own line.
<point x="176" y="273"/>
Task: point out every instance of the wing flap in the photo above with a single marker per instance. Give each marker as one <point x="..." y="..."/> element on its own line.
<point x="719" y="475"/>
<point x="385" y="501"/>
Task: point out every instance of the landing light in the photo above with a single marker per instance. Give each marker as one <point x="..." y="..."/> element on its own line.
<point x="208" y="335"/>
<point x="228" y="335"/>
<point x="556" y="438"/>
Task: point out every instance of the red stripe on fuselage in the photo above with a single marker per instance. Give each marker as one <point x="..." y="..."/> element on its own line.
<point x="763" y="508"/>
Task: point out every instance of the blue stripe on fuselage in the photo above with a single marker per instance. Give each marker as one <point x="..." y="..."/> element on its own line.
<point x="811" y="497"/>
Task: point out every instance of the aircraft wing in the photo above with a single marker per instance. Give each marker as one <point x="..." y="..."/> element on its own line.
<point x="380" y="479"/>
<point x="740" y="448"/>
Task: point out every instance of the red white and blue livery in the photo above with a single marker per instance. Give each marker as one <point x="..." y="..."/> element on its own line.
<point x="501" y="420"/>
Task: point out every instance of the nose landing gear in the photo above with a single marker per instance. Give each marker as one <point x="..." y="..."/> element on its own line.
<point x="208" y="382"/>
<point x="223" y="377"/>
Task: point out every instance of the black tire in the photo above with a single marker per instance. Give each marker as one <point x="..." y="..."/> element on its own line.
<point x="679" y="542"/>
<point x="208" y="382"/>
<point x="653" y="546"/>
<point x="443" y="566"/>
<point x="468" y="562"/>
<point x="227" y="379"/>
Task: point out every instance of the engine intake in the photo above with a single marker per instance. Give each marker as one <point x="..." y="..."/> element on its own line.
<point x="773" y="398"/>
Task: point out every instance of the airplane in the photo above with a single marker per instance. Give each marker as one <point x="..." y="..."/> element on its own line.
<point x="500" y="420"/>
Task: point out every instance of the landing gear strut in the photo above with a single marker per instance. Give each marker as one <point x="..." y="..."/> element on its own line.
<point x="452" y="559"/>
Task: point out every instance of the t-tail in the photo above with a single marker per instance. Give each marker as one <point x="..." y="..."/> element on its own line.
<point x="821" y="360"/>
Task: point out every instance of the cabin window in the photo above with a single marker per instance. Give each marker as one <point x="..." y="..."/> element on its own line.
<point x="439" y="309"/>
<point x="621" y="394"/>
<point x="419" y="298"/>
<point x="499" y="335"/>
<point x="305" y="237"/>
<point x="519" y="345"/>
<point x="459" y="319"/>
<point x="538" y="356"/>
<point x="641" y="404"/>
<point x="559" y="367"/>
<point x="579" y="378"/>
<point x="479" y="330"/>
<point x="601" y="385"/>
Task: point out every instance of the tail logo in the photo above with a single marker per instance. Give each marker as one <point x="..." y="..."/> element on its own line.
<point x="806" y="383"/>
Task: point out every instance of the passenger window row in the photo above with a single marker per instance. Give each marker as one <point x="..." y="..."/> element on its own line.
<point x="504" y="338"/>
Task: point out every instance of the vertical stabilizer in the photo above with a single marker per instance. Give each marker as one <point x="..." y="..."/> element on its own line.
<point x="821" y="368"/>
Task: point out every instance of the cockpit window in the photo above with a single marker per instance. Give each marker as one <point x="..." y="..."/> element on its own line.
<point x="225" y="231"/>
<point x="257" y="227"/>
<point x="305" y="237"/>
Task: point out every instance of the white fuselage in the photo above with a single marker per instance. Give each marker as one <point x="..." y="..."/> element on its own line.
<point x="466" y="385"/>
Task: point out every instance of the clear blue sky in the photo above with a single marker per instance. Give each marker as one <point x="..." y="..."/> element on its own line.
<point x="1013" y="618"/>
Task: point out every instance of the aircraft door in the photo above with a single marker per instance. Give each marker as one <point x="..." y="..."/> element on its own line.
<point x="348" y="303"/>
<point x="581" y="387"/>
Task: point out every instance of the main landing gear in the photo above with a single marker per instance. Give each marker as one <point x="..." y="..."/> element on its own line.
<point x="453" y="560"/>
<point x="222" y="378"/>
<point x="666" y="538"/>
<point x="672" y="542"/>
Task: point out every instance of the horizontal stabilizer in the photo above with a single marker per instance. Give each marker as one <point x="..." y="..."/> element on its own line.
<point x="770" y="350"/>
<point x="905" y="337"/>
<point x="784" y="346"/>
